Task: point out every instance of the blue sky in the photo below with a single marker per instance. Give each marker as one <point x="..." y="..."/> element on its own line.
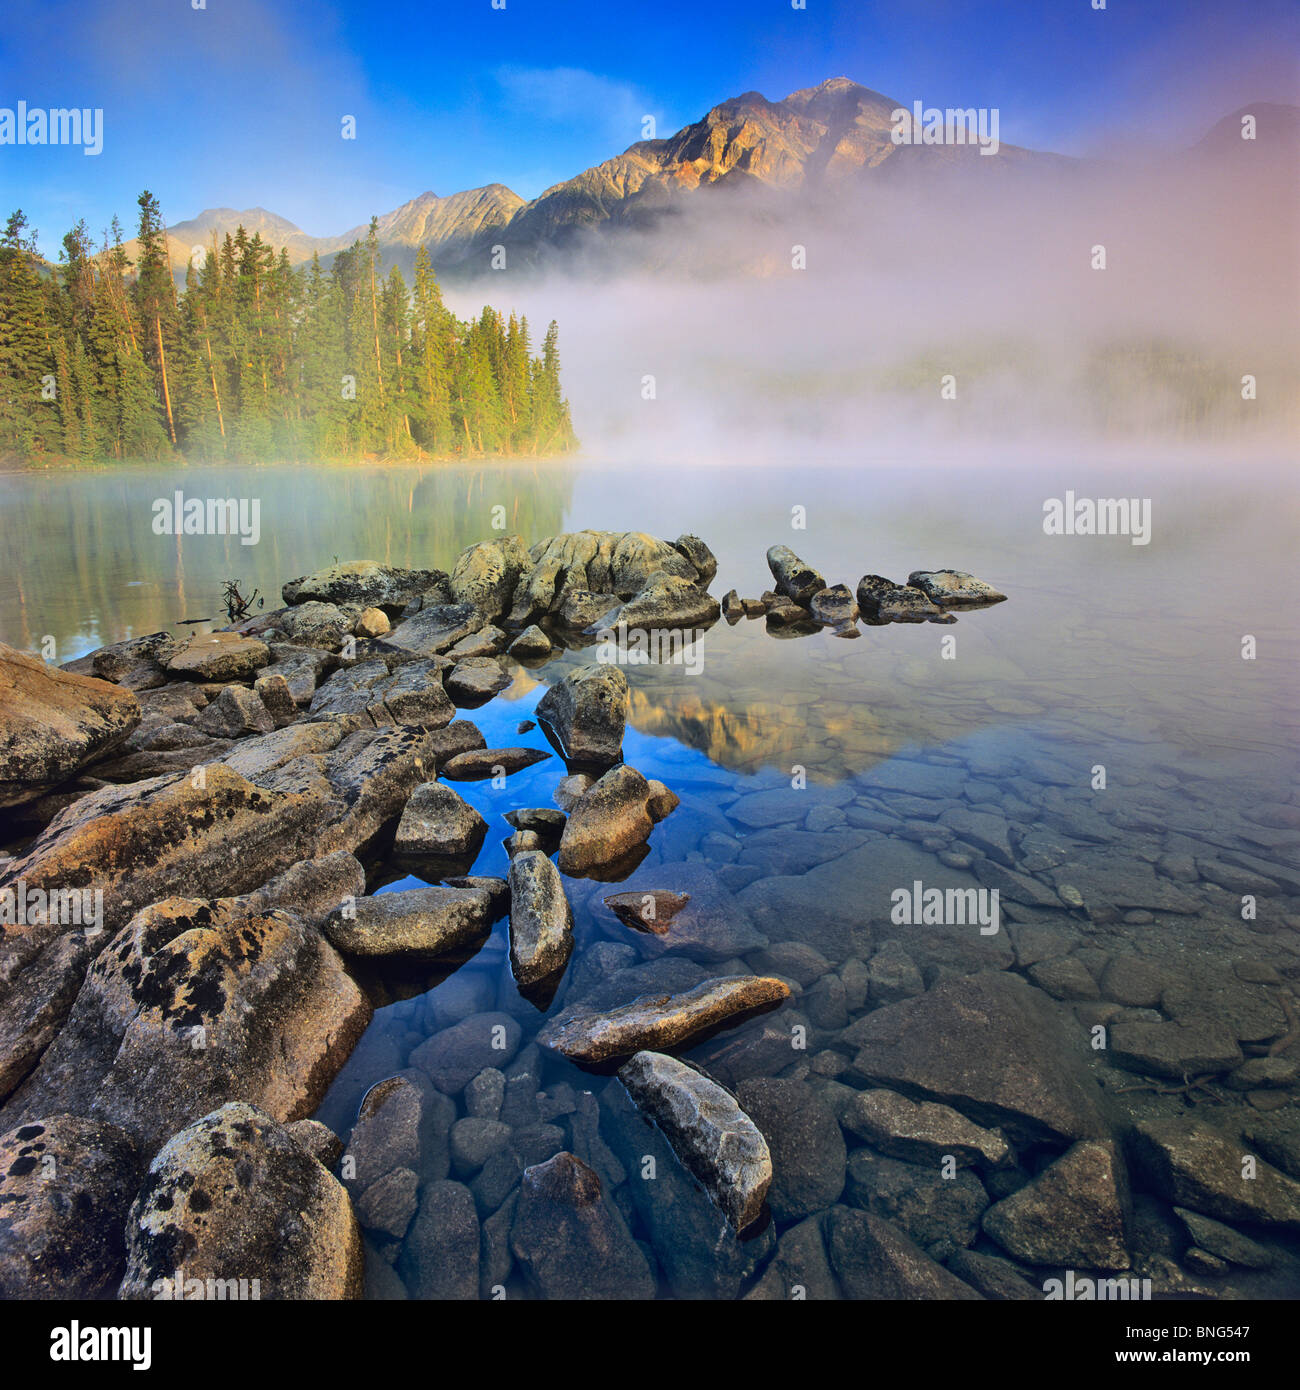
<point x="239" y="104"/>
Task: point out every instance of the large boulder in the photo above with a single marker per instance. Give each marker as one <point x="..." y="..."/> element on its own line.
<point x="195" y="1002"/>
<point x="53" y="723"/>
<point x="667" y="602"/>
<point x="709" y="1132"/>
<point x="234" y="1198"/>
<point x="135" y="845"/>
<point x="587" y="713"/>
<point x="485" y="574"/>
<point x="66" y="1184"/>
<point x="365" y="583"/>
<point x="436" y="820"/>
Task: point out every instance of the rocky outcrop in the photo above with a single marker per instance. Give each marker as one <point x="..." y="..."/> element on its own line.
<point x="587" y="713"/>
<point x="541" y="920"/>
<point x="712" y="1136"/>
<point x="366" y="584"/>
<point x="194" y="1002"/>
<point x="52" y="724"/>
<point x="658" y="1022"/>
<point x="667" y="602"/>
<point x="419" y="924"/>
<point x="136" y="845"/>
<point x="66" y="1184"/>
<point x="795" y="580"/>
<point x="233" y="1198"/>
<point x="569" y="1242"/>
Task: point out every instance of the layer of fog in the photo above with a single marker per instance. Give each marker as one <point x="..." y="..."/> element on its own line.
<point x="985" y="274"/>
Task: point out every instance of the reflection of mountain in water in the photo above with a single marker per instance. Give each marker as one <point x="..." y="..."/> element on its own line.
<point x="87" y="568"/>
<point x="834" y="707"/>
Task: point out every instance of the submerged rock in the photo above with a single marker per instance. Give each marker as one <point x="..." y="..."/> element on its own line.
<point x="709" y="1132"/>
<point x="795" y="580"/>
<point x="650" y="909"/>
<point x="954" y="588"/>
<point x="53" y="723"/>
<point x="66" y="1184"/>
<point x="656" y="1022"/>
<point x="541" y="921"/>
<point x="587" y="712"/>
<point x="808" y="1153"/>
<point x="923" y="1131"/>
<point x="419" y="924"/>
<point x="1192" y="1165"/>
<point x="875" y="1260"/>
<point x="233" y="1198"/>
<point x="1074" y="1213"/>
<point x="569" y="1242"/>
<point x="952" y="1045"/>
<point x="440" y="1256"/>
<point x="437" y="821"/>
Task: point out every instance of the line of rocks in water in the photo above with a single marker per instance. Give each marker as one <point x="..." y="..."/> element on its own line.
<point x="169" y="1060"/>
<point x="802" y="602"/>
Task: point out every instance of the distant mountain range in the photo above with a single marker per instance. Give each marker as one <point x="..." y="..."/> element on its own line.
<point x="832" y="139"/>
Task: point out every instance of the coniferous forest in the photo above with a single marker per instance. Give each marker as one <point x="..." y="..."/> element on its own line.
<point x="255" y="359"/>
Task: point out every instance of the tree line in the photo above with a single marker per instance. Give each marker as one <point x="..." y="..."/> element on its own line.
<point x="255" y="359"/>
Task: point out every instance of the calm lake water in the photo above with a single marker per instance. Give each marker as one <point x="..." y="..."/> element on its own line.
<point x="1108" y="655"/>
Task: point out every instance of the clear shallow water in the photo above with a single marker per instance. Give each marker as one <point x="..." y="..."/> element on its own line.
<point x="1110" y="654"/>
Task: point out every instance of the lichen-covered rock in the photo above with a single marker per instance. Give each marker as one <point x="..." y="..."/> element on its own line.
<point x="137" y="663"/>
<point x="569" y="1243"/>
<point x="708" y="1131"/>
<point x="700" y="556"/>
<point x="315" y="624"/>
<point x="668" y="602"/>
<point x="477" y="764"/>
<point x="436" y="820"/>
<point x="53" y="723"/>
<point x="658" y="1022"/>
<point x="883" y="601"/>
<point x="66" y="1184"/>
<point x="237" y="711"/>
<point x="233" y="1197"/>
<point x="531" y="645"/>
<point x="834" y="606"/>
<point x="433" y="630"/>
<point x="368" y="583"/>
<point x="954" y="588"/>
<point x="485" y="574"/>
<point x="541" y="921"/>
<point x="795" y="580"/>
<point x="194" y="1002"/>
<point x="476" y="679"/>
<point x="136" y="845"/>
<point x="587" y="713"/>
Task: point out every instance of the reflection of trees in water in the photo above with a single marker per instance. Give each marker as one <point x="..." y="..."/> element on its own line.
<point x="87" y="568"/>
